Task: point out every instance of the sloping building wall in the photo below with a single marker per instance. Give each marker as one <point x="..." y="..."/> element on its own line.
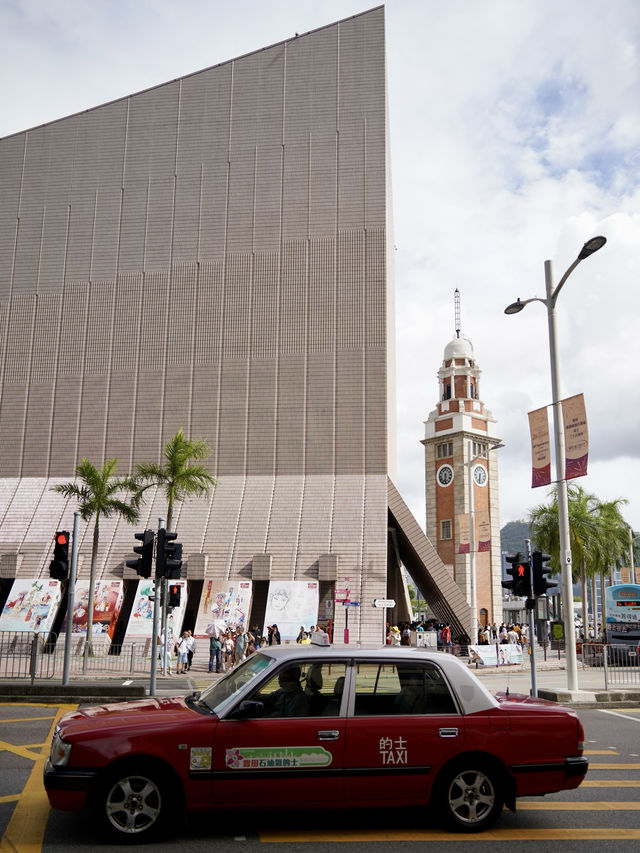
<point x="211" y="254"/>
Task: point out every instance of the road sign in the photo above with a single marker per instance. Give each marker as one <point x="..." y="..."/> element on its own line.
<point x="384" y="602"/>
<point x="348" y="603"/>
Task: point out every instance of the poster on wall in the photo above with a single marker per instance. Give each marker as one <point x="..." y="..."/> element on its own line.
<point x="106" y="607"/>
<point x="228" y="603"/>
<point x="141" y="617"/>
<point x="32" y="605"/>
<point x="290" y="605"/>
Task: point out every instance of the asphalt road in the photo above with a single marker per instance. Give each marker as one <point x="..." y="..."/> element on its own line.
<point x="602" y="814"/>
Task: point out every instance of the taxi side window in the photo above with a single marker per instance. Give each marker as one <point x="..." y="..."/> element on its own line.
<point x="387" y="689"/>
<point x="310" y="689"/>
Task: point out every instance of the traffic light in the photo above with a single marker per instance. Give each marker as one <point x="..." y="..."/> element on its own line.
<point x="169" y="557"/>
<point x="59" y="566"/>
<point x="144" y="564"/>
<point x="540" y="583"/>
<point x="174" y="596"/>
<point x="520" y="571"/>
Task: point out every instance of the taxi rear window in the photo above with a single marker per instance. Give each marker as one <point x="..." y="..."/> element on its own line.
<point x="391" y="689"/>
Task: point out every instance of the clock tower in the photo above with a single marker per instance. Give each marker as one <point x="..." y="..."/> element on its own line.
<point x="461" y="474"/>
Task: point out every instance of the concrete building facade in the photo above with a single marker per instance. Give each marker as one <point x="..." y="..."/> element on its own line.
<point x="211" y="254"/>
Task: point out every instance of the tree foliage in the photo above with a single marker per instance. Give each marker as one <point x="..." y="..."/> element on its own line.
<point x="100" y="494"/>
<point x="180" y="475"/>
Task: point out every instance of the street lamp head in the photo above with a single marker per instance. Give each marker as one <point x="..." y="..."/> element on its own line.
<point x="515" y="307"/>
<point x="591" y="246"/>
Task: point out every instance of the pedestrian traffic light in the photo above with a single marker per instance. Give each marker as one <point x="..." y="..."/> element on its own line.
<point x="541" y="585"/>
<point x="59" y="566"/>
<point x="174" y="596"/>
<point x="144" y="564"/>
<point x="169" y="557"/>
<point x="520" y="572"/>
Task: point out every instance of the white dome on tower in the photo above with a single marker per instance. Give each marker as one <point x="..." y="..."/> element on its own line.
<point x="458" y="348"/>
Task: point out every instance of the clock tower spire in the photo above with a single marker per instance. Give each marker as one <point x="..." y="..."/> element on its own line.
<point x="461" y="476"/>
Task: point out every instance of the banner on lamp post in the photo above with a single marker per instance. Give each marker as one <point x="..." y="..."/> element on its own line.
<point x="576" y="437"/>
<point x="484" y="531"/>
<point x="463" y="534"/>
<point x="540" y="448"/>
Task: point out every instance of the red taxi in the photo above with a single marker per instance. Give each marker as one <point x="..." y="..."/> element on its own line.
<point x="388" y="727"/>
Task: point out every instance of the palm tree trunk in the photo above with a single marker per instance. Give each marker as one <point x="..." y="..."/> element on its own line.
<point x="92" y="583"/>
<point x="594" y="606"/>
<point x="585" y="603"/>
<point x="602" y="609"/>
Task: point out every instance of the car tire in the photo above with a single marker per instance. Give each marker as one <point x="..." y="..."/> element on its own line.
<point x="134" y="803"/>
<point x="469" y="797"/>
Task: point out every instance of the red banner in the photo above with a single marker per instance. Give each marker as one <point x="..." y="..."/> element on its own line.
<point x="576" y="437"/>
<point x="540" y="449"/>
<point x="484" y="531"/>
<point x="463" y="537"/>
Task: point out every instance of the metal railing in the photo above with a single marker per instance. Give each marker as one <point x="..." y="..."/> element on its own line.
<point x="620" y="664"/>
<point x="40" y="655"/>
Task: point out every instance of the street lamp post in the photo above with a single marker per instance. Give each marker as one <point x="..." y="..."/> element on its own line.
<point x="473" y="632"/>
<point x="589" y="248"/>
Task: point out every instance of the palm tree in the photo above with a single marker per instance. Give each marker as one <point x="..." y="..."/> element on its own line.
<point x="178" y="475"/>
<point x="598" y="535"/>
<point x="96" y="490"/>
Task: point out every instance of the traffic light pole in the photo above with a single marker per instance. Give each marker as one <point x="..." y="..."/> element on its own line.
<point x="158" y="582"/>
<point x="532" y="627"/>
<point x="70" y="601"/>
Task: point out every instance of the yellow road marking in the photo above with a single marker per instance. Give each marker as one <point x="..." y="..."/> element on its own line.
<point x="25" y="830"/>
<point x="559" y="834"/>
<point x="9" y="798"/>
<point x="600" y="752"/>
<point x="614" y="766"/>
<point x="24" y="751"/>
<point x="610" y="783"/>
<point x="27" y="719"/>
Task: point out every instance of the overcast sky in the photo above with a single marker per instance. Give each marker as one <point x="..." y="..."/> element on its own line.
<point x="515" y="137"/>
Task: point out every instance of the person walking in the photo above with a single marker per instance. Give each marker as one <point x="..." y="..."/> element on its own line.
<point x="182" y="648"/>
<point x="191" y="649"/>
<point x="215" y="653"/>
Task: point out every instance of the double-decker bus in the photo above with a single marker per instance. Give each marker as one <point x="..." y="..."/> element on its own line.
<point x="622" y="609"/>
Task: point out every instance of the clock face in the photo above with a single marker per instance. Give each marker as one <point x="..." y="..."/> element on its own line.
<point x="480" y="475"/>
<point x="445" y="475"/>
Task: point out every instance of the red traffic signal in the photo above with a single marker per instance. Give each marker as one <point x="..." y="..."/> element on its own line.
<point x="174" y="595"/>
<point x="59" y="566"/>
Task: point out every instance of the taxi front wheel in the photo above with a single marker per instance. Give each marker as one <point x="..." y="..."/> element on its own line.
<point x="469" y="797"/>
<point x="134" y="804"/>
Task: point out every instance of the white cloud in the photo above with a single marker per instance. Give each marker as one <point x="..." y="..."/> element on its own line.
<point x="515" y="131"/>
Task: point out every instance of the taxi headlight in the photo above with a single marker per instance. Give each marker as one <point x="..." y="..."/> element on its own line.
<point x="60" y="751"/>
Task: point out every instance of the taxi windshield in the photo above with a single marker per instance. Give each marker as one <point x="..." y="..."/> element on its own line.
<point x="219" y="695"/>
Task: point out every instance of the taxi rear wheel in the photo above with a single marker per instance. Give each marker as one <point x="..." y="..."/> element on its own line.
<point x="134" y="803"/>
<point x="470" y="797"/>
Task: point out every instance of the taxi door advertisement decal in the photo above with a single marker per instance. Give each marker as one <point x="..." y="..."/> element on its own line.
<point x="257" y="758"/>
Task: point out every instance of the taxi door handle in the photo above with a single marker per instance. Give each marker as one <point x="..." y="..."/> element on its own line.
<point x="448" y="732"/>
<point x="329" y="734"/>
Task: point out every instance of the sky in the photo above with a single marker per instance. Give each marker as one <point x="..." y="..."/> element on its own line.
<point x="514" y="136"/>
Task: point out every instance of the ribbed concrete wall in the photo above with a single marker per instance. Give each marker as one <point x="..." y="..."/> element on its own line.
<point x="210" y="254"/>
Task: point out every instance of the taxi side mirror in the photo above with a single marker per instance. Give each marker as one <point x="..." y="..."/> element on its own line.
<point x="248" y="709"/>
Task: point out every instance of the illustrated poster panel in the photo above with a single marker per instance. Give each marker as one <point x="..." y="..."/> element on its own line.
<point x="141" y="618"/>
<point x="291" y="604"/>
<point x="228" y="604"/>
<point x="32" y="605"/>
<point x="106" y="607"/>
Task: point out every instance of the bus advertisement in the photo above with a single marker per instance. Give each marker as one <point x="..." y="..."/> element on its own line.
<point x="622" y="609"/>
